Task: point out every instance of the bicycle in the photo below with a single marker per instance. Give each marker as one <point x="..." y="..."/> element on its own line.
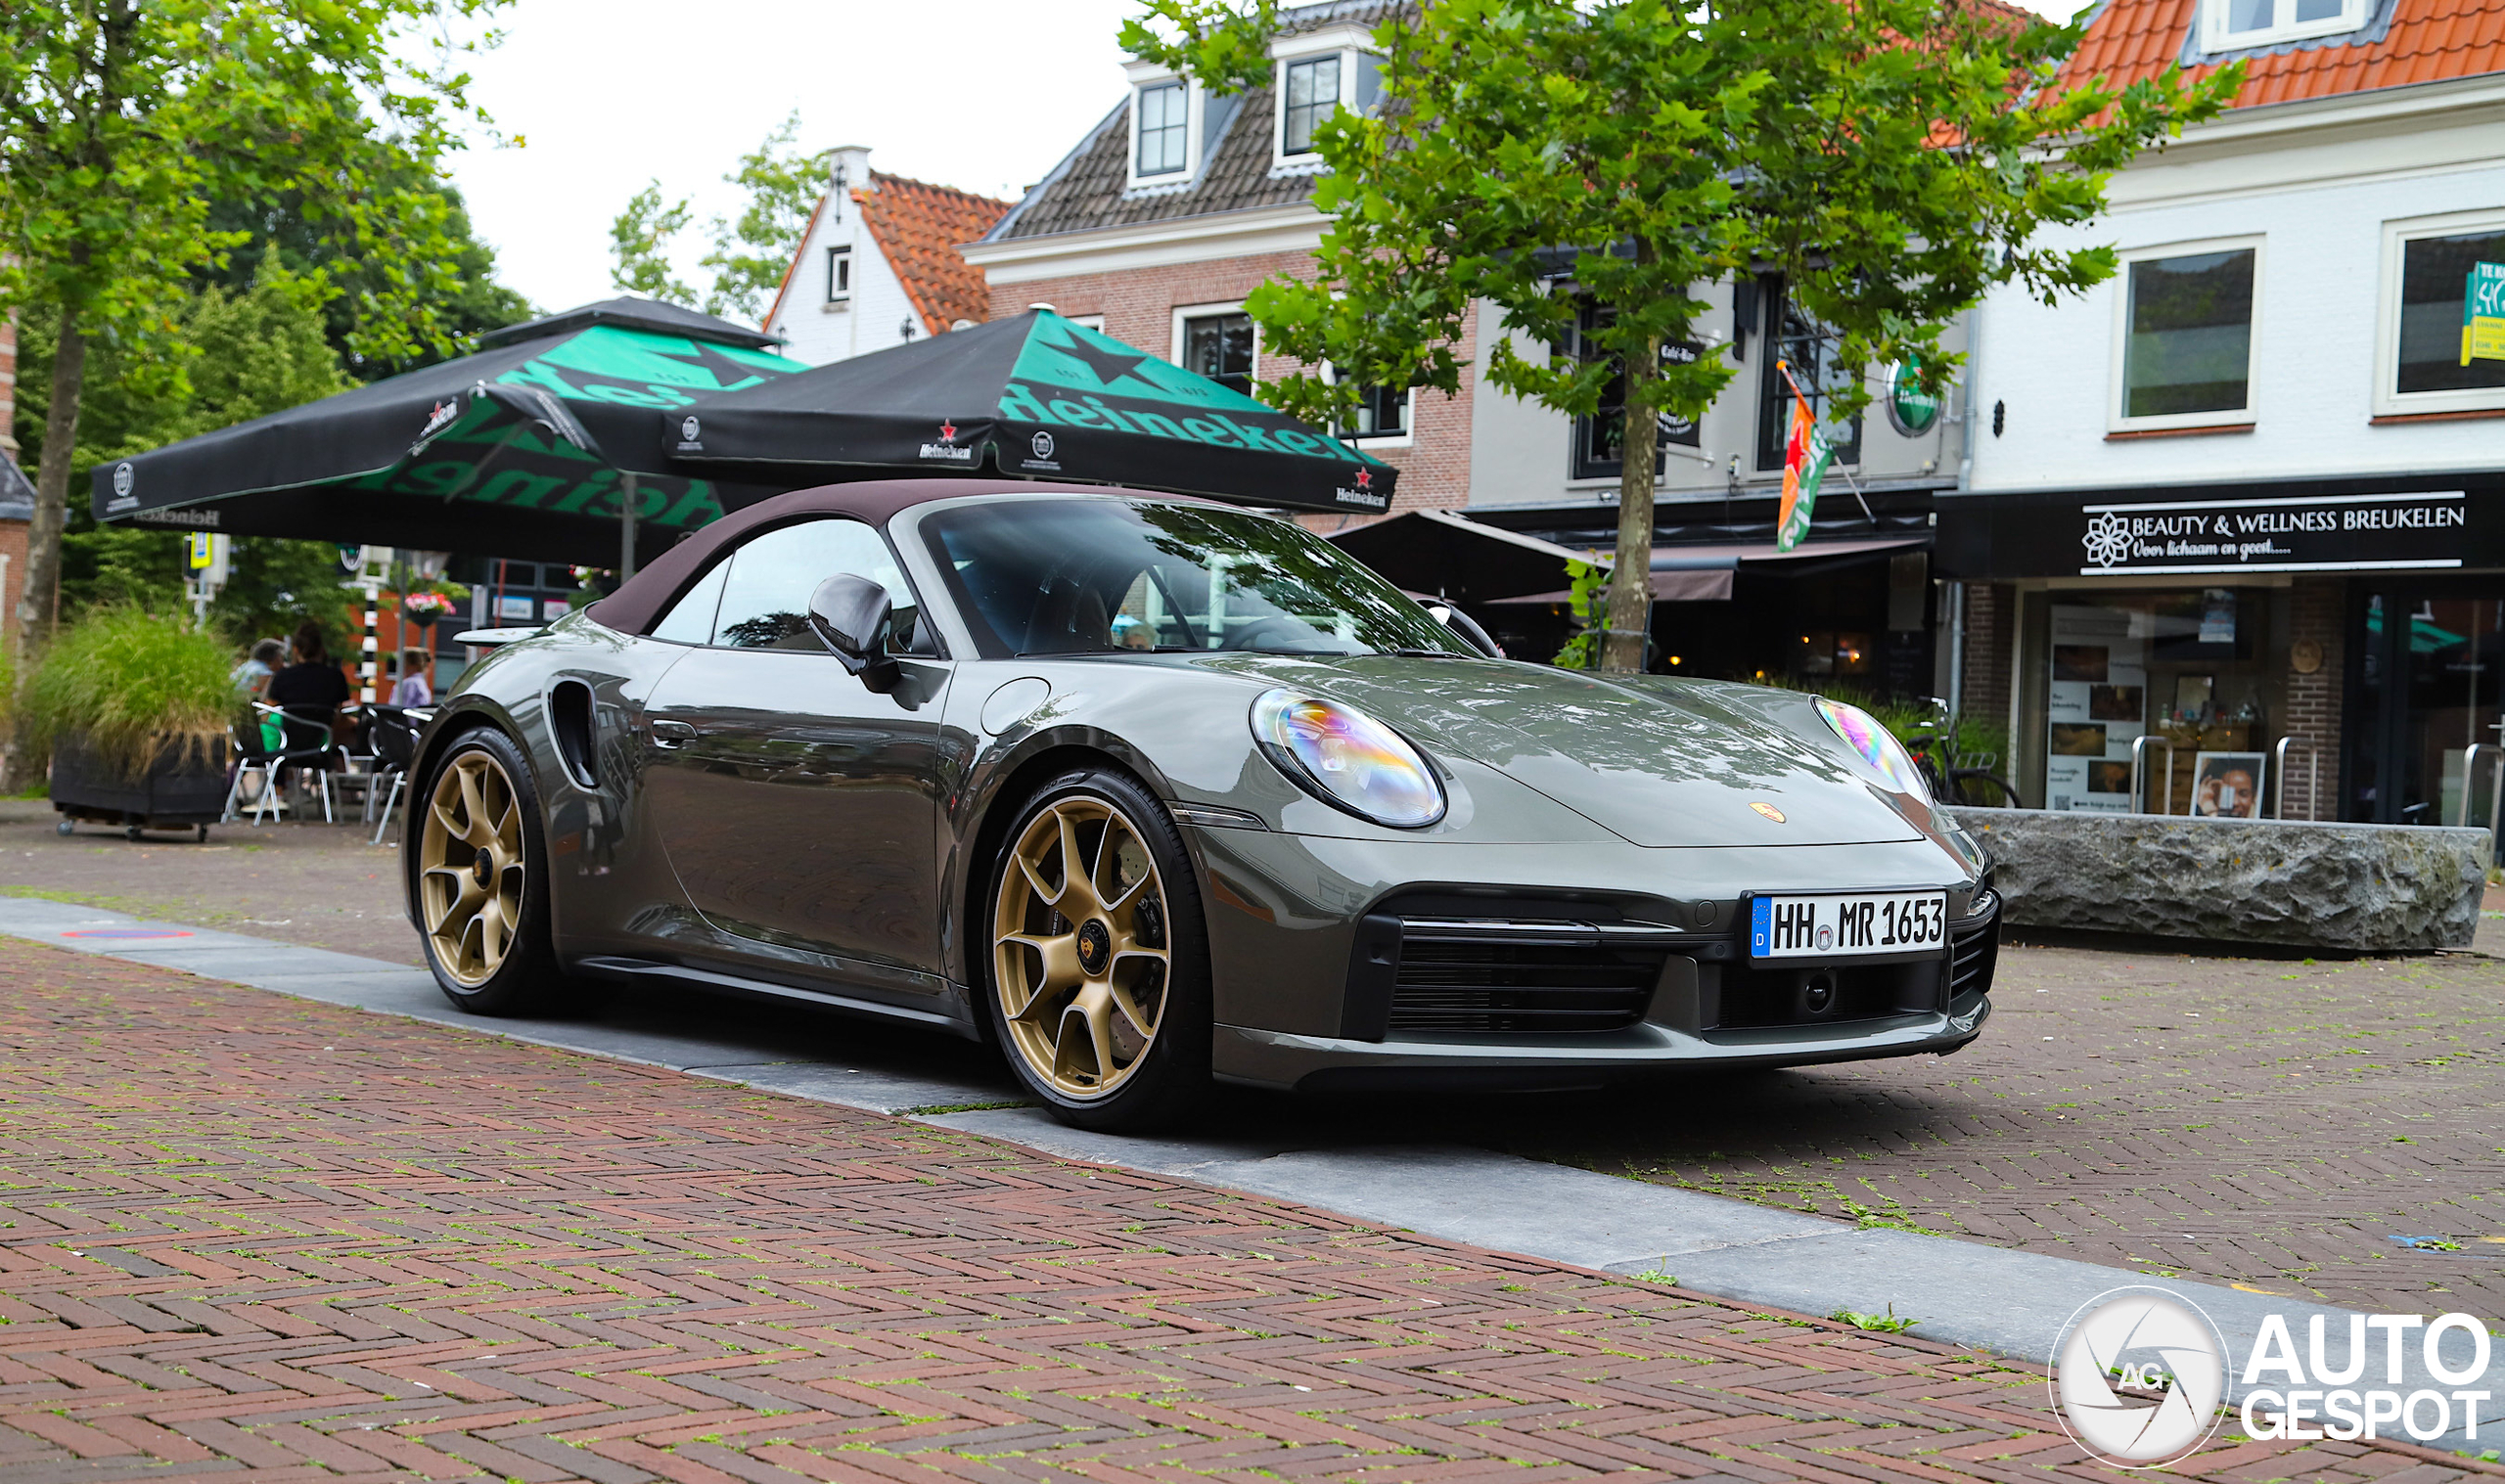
<point x="1954" y="776"/>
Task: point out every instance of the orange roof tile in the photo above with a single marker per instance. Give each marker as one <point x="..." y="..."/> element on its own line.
<point x="919" y="225"/>
<point x="2425" y="41"/>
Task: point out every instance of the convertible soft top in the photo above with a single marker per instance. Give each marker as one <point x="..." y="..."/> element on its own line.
<point x="639" y="601"/>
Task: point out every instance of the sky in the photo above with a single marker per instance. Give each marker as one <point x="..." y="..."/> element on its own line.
<point x="606" y="96"/>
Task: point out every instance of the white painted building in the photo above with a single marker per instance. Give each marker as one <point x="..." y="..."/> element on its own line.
<point x="2253" y="488"/>
<point x="879" y="265"/>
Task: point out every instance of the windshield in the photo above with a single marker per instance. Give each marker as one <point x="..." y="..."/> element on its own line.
<point x="1085" y="576"/>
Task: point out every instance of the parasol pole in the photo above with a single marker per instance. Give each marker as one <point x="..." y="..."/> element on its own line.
<point x="628" y="500"/>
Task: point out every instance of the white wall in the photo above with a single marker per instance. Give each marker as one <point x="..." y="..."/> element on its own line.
<point x="819" y="332"/>
<point x="2317" y="183"/>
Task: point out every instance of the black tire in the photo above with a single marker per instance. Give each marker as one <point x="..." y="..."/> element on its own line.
<point x="1169" y="1077"/>
<point x="522" y="977"/>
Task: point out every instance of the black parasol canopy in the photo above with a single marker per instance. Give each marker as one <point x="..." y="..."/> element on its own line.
<point x="1033" y="395"/>
<point x="525" y="449"/>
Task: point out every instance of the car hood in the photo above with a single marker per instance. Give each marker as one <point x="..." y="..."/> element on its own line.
<point x="1658" y="762"/>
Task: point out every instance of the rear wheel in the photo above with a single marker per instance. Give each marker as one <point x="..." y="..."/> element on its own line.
<point x="1099" y="962"/>
<point x="483" y="881"/>
<point x="1985" y="790"/>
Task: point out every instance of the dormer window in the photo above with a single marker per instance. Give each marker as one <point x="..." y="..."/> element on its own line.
<point x="1313" y="91"/>
<point x="2232" y="25"/>
<point x="1318" y="72"/>
<point x="1165" y="131"/>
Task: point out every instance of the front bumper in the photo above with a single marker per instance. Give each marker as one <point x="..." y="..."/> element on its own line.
<point x="1359" y="964"/>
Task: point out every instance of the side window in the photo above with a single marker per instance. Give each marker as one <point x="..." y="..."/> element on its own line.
<point x="690" y="620"/>
<point x="765" y="597"/>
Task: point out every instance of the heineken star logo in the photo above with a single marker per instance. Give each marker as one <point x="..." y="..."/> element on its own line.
<point x="1110" y="367"/>
<point x="947" y="431"/>
<point x="1365" y="478"/>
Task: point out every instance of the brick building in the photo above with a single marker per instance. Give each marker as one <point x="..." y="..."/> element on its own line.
<point x="1160" y="221"/>
<point x="2251" y="490"/>
<point x="1180" y="203"/>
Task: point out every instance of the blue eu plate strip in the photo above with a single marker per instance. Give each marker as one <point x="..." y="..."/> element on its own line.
<point x="1761" y="926"/>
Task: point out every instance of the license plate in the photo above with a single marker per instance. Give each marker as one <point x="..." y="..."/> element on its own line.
<point x="1846" y="924"/>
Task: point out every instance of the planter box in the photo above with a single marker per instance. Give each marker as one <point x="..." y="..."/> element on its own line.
<point x="2359" y="888"/>
<point x="183" y="787"/>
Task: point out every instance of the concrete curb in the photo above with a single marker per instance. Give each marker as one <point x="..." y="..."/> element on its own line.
<point x="2006" y="1302"/>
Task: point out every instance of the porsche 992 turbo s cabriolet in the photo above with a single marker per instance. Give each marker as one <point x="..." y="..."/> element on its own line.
<point x="1148" y="792"/>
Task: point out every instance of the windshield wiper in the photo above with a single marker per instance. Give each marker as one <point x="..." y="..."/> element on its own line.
<point x="1429" y="655"/>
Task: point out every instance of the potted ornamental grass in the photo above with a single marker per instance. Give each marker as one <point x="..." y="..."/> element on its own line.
<point x="134" y="709"/>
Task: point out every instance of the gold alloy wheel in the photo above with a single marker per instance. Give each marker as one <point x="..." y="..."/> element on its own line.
<point x="470" y="876"/>
<point x="1080" y="956"/>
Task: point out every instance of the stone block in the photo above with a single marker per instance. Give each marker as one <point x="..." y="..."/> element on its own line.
<point x="2365" y="889"/>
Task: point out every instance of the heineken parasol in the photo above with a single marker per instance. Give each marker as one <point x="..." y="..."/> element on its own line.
<point x="1033" y="395"/>
<point x="522" y="450"/>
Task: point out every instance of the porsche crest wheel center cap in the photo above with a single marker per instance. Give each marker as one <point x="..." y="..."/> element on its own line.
<point x="1095" y="947"/>
<point x="484" y="867"/>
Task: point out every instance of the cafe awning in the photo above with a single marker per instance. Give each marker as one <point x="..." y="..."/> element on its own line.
<point x="1448" y="553"/>
<point x="1703" y="572"/>
<point x="1033" y="395"/>
<point x="522" y="450"/>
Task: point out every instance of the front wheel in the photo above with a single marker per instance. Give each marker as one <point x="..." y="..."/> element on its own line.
<point x="1099" y="962"/>
<point x="483" y="881"/>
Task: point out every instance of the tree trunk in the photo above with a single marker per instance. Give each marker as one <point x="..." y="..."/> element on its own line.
<point x="36" y="600"/>
<point x="1630" y="584"/>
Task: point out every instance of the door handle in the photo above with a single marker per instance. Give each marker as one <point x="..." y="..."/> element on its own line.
<point x="671" y="733"/>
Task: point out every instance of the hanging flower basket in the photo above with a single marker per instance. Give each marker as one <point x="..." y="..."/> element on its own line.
<point x="426" y="610"/>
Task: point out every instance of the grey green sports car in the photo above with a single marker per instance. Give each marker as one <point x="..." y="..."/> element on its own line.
<point x="1150" y="792"/>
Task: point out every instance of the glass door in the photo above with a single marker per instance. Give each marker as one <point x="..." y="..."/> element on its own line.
<point x="2430" y="683"/>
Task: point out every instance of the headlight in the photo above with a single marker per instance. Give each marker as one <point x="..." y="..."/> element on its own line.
<point x="1886" y="757"/>
<point x="1345" y="757"/>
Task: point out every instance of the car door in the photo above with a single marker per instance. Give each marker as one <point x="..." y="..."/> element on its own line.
<point x="800" y="808"/>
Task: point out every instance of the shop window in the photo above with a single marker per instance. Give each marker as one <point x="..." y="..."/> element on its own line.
<point x="1161" y="127"/>
<point x="1804" y="346"/>
<point x="2186" y="357"/>
<point x="1217" y="345"/>
<point x="2434" y="354"/>
<point x="1600" y="440"/>
<point x="2228" y="25"/>
<point x="2188" y="666"/>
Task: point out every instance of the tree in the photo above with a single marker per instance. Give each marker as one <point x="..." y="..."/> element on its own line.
<point x="248" y="353"/>
<point x="1586" y="166"/>
<point x="467" y="304"/>
<point x="639" y="245"/>
<point x="122" y="122"/>
<point x="751" y="251"/>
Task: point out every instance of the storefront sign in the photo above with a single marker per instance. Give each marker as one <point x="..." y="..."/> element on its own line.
<point x="2483" y="313"/>
<point x="2292" y="533"/>
<point x="1912" y="410"/>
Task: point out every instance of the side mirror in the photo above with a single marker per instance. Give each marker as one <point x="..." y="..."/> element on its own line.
<point x="849" y="616"/>
<point x="1464" y="627"/>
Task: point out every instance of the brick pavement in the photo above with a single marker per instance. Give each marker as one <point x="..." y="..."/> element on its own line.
<point x="246" y="1232"/>
<point x="318" y="885"/>
<point x="2269" y="1123"/>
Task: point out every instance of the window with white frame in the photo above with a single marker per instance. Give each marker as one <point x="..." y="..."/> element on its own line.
<point x="1216" y="341"/>
<point x="1164" y="130"/>
<point x="1319" y="71"/>
<point x="1382" y="415"/>
<point x="2428" y="359"/>
<point x="2186" y="318"/>
<point x="1095" y="322"/>
<point x="838" y="274"/>
<point x="1313" y="93"/>
<point x="2228" y="25"/>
